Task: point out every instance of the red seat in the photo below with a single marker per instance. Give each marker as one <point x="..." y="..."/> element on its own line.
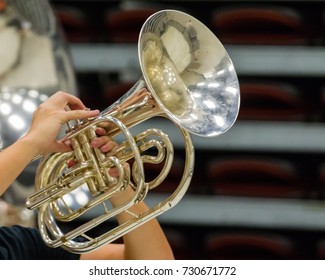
<point x="124" y="25"/>
<point x="321" y="178"/>
<point x="76" y="24"/>
<point x="180" y="244"/>
<point x="256" y="177"/>
<point x="113" y="91"/>
<point x="259" y="25"/>
<point x="249" y="246"/>
<point x="272" y="101"/>
<point x="320" y="249"/>
<point x="322" y="102"/>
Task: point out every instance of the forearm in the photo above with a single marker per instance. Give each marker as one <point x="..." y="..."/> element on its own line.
<point x="13" y="160"/>
<point x="147" y="241"/>
<point x="42" y="134"/>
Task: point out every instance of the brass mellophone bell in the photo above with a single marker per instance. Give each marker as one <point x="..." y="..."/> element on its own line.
<point x="189" y="79"/>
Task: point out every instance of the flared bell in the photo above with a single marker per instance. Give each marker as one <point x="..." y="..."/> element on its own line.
<point x="189" y="73"/>
<point x="189" y="79"/>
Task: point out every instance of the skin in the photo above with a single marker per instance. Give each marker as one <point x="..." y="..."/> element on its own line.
<point x="145" y="242"/>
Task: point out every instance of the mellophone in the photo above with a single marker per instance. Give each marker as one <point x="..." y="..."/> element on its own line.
<point x="187" y="78"/>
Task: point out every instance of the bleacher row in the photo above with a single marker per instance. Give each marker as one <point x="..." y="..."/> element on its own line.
<point x="258" y="23"/>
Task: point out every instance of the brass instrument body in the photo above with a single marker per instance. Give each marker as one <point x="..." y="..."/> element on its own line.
<point x="189" y="79"/>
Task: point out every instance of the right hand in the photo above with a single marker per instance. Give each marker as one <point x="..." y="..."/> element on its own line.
<point x="49" y="118"/>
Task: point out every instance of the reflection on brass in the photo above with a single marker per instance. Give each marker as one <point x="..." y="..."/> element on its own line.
<point x="164" y="77"/>
<point x="189" y="79"/>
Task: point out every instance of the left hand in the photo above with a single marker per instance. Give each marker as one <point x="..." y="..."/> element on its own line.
<point x="103" y="142"/>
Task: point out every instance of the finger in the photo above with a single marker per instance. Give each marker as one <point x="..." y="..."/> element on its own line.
<point x="104" y="124"/>
<point x="100" y="131"/>
<point x="62" y="99"/>
<point x="61" y="147"/>
<point x="104" y="143"/>
<point x="114" y="171"/>
<point x="108" y="147"/>
<point x="99" y="141"/>
<point x="102" y="140"/>
<point x="78" y="114"/>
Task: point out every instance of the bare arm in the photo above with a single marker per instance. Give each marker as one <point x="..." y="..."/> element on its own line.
<point x="147" y="242"/>
<point x="41" y="137"/>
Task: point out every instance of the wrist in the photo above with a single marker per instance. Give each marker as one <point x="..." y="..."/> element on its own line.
<point x="30" y="147"/>
<point x="122" y="196"/>
<point x="126" y="196"/>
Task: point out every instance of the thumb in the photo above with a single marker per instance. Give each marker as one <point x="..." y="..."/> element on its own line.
<point x="61" y="147"/>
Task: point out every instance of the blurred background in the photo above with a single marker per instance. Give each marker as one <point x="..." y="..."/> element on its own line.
<point x="258" y="190"/>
